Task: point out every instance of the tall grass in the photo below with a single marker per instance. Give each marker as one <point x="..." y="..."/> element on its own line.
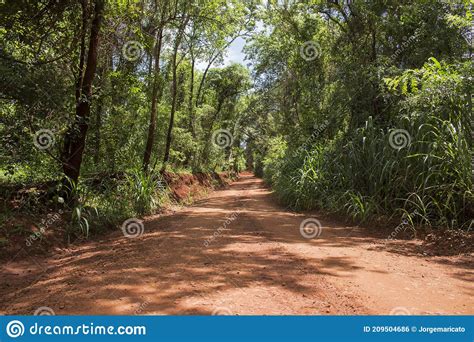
<point x="99" y="206"/>
<point x="429" y="181"/>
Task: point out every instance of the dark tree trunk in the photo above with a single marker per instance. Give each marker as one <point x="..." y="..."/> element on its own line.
<point x="173" y="110"/>
<point x="75" y="138"/>
<point x="98" y="122"/>
<point x="154" y="103"/>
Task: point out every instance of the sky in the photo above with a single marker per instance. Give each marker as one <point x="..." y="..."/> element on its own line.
<point x="235" y="53"/>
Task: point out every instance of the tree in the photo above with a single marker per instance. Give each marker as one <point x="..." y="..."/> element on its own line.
<point x="75" y="139"/>
<point x="174" y="65"/>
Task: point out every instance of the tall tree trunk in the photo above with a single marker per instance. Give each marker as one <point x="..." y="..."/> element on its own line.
<point x="103" y="71"/>
<point x="203" y="79"/>
<point x="174" y="92"/>
<point x="191" y="98"/>
<point x="190" y="154"/>
<point x="82" y="53"/>
<point x="154" y="102"/>
<point x="75" y="138"/>
<point x="98" y="122"/>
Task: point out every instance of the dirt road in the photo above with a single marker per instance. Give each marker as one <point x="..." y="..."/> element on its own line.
<point x="238" y="252"/>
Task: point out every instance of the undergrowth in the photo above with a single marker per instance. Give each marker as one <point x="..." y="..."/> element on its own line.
<point x="423" y="177"/>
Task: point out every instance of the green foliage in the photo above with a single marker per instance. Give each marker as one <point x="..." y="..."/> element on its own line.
<point x="99" y="204"/>
<point x="368" y="90"/>
<point x="43" y="57"/>
<point x="142" y="188"/>
<point x="330" y="83"/>
<point x="364" y="174"/>
<point x="273" y="159"/>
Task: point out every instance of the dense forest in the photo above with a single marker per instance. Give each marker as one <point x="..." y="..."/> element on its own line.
<point x="360" y="108"/>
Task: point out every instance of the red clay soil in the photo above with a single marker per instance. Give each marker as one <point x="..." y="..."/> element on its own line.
<point x="183" y="186"/>
<point x="238" y="252"/>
